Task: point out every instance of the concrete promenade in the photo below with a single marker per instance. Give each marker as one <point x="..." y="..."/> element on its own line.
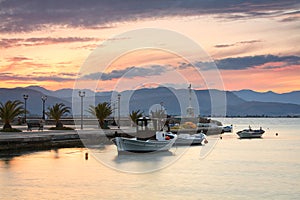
<point x="37" y="139"/>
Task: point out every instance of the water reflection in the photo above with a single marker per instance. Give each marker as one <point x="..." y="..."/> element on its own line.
<point x="56" y="154"/>
<point x="142" y="157"/>
<point x="15" y="153"/>
<point x="6" y="157"/>
<point x="142" y="162"/>
<point x="7" y="162"/>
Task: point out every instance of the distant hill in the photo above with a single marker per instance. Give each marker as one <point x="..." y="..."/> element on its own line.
<point x="254" y="108"/>
<point x="34" y="102"/>
<point x="249" y="95"/>
<point x="175" y="101"/>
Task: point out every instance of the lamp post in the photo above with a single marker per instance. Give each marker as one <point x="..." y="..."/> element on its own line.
<point x="119" y="105"/>
<point x="44" y="98"/>
<point x="81" y="95"/>
<point x="25" y="96"/>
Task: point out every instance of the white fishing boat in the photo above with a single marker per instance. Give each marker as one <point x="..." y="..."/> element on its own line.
<point x="227" y="129"/>
<point x="163" y="142"/>
<point x="190" y="139"/>
<point x="209" y="128"/>
<point x="250" y="133"/>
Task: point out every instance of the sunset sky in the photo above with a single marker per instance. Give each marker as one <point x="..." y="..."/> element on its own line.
<point x="254" y="44"/>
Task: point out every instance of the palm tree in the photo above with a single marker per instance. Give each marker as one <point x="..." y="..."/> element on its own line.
<point x="9" y="111"/>
<point x="56" y="112"/>
<point x="134" y="115"/>
<point x="101" y="111"/>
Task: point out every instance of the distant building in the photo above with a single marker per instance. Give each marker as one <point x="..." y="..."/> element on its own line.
<point x="190" y="112"/>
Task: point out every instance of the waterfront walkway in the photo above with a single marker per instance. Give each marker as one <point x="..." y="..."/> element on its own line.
<point x="46" y="138"/>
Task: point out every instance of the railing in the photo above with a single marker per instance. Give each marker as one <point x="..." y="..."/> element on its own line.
<point x="124" y="121"/>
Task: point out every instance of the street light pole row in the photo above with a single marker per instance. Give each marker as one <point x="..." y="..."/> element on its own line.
<point x="25" y="96"/>
<point x="81" y="95"/>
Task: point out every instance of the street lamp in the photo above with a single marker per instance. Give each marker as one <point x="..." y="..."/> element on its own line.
<point x="119" y="97"/>
<point x="81" y="94"/>
<point x="44" y="98"/>
<point x="25" y="96"/>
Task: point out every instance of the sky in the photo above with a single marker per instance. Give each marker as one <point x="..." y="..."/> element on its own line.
<point x="243" y="44"/>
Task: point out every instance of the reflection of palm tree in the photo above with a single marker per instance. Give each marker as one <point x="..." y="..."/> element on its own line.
<point x="9" y="111"/>
<point x="101" y="111"/>
<point x="56" y="112"/>
<point x="134" y="115"/>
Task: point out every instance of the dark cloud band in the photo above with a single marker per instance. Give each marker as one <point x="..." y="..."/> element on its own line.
<point x="22" y="16"/>
<point x="247" y="62"/>
<point x="15" y="42"/>
<point x="129" y="72"/>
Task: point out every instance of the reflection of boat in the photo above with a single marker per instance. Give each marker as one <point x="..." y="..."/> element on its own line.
<point x="190" y="139"/>
<point x="163" y="142"/>
<point x="151" y="157"/>
<point x="250" y="133"/>
<point x="209" y="128"/>
<point x="227" y="129"/>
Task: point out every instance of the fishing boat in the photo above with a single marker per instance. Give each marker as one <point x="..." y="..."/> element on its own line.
<point x="227" y="129"/>
<point x="163" y="142"/>
<point x="190" y="139"/>
<point x="250" y="133"/>
<point x="209" y="128"/>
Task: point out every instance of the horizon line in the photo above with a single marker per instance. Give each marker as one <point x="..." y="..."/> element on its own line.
<point x="196" y="89"/>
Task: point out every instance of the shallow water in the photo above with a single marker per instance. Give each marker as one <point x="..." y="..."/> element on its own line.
<point x="228" y="168"/>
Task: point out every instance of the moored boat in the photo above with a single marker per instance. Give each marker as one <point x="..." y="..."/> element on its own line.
<point x="227" y="129"/>
<point x="163" y="142"/>
<point x="190" y="139"/>
<point x="209" y="128"/>
<point x="250" y="133"/>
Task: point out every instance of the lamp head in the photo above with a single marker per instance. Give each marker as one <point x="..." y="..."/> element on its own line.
<point x="25" y="96"/>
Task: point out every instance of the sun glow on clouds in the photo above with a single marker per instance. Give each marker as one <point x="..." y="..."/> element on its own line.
<point x="261" y="78"/>
<point x="144" y="67"/>
<point x="47" y="48"/>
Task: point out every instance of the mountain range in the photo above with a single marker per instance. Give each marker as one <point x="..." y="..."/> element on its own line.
<point x="249" y="95"/>
<point x="174" y="101"/>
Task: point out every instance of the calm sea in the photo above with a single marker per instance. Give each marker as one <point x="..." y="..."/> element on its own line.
<point x="227" y="168"/>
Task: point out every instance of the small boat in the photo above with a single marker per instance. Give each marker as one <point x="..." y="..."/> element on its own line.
<point x="209" y="128"/>
<point x="163" y="142"/>
<point x="227" y="129"/>
<point x="250" y="133"/>
<point x="190" y="139"/>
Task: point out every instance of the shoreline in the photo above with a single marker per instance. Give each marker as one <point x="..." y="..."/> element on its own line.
<point x="49" y="139"/>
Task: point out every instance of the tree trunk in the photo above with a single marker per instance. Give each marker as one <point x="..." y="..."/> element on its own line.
<point x="59" y="124"/>
<point x="101" y="124"/>
<point x="7" y="126"/>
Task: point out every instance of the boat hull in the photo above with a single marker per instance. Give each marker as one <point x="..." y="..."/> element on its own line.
<point x="209" y="129"/>
<point x="227" y="129"/>
<point x="188" y="139"/>
<point x="250" y="134"/>
<point x="134" y="145"/>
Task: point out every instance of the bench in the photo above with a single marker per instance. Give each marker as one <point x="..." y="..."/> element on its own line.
<point x="34" y="124"/>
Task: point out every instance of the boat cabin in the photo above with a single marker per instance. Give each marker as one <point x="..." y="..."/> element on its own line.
<point x="146" y="128"/>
